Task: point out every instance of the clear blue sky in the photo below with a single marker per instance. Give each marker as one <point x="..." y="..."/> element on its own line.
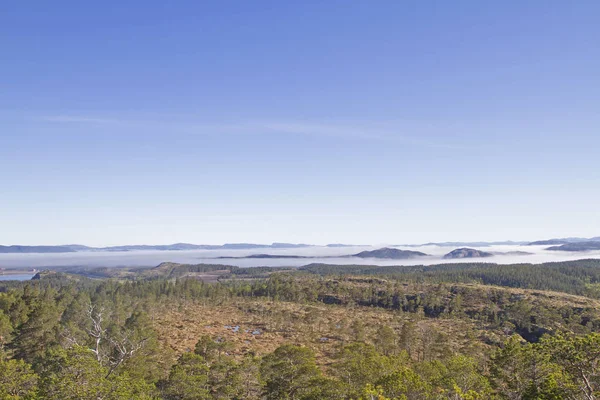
<point x="328" y="121"/>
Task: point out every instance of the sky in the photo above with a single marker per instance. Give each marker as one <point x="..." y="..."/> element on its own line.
<point x="316" y="122"/>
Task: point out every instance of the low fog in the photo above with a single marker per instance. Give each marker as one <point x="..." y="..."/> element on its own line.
<point x="329" y="255"/>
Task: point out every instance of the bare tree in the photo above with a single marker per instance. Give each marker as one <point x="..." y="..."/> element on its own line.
<point x="124" y="349"/>
<point x="97" y="331"/>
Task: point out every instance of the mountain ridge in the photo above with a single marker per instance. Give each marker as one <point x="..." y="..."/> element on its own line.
<point x="466" y="253"/>
<point x="389" y="253"/>
<point x="578" y="246"/>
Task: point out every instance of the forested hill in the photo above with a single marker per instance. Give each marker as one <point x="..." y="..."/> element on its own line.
<point x="320" y="337"/>
<point x="580" y="246"/>
<point x="467" y="253"/>
<point x="580" y="277"/>
<point x="208" y="332"/>
<point x="390" y="253"/>
<point x="36" y="249"/>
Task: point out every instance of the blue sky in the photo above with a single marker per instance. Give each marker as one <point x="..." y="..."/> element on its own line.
<point x="331" y="121"/>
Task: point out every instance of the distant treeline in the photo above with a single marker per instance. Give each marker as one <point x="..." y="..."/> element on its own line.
<point x="576" y="277"/>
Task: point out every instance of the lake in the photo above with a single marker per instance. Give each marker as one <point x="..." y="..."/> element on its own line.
<point x="327" y="255"/>
<point x="16" y="277"/>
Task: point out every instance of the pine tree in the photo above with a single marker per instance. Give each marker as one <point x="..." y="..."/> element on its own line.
<point x="188" y="379"/>
<point x="17" y="380"/>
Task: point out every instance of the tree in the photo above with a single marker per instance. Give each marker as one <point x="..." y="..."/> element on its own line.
<point x="123" y="386"/>
<point x="224" y="378"/>
<point x="324" y="388"/>
<point x="249" y="373"/>
<point x="290" y="372"/>
<point x="408" y="337"/>
<point x="207" y="347"/>
<point x="579" y="356"/>
<point x="405" y="384"/>
<point x="458" y="375"/>
<point x="6" y="329"/>
<point x="188" y="379"/>
<point x="371" y="392"/>
<point x="358" y="364"/>
<point x="73" y="374"/>
<point x="40" y="331"/>
<point x="17" y="380"/>
<point x="76" y="321"/>
<point x="138" y="348"/>
<point x="523" y="371"/>
<point x="386" y="340"/>
<point x="358" y="330"/>
<point x="96" y="329"/>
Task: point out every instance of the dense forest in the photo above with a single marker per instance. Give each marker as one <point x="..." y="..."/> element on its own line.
<point x="581" y="277"/>
<point x="465" y="331"/>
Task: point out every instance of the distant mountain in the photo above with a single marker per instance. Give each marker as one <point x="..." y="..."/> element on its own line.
<point x="164" y="247"/>
<point x="36" y="249"/>
<point x="578" y="246"/>
<point x="77" y="247"/>
<point x="261" y="256"/>
<point x="548" y="242"/>
<point x="340" y="245"/>
<point x="466" y="253"/>
<point x="248" y="246"/>
<point x="467" y="244"/>
<point x="552" y="242"/>
<point x="512" y="253"/>
<point x="288" y="245"/>
<point x="70" y="248"/>
<point x="242" y="246"/>
<point x="390" y="253"/>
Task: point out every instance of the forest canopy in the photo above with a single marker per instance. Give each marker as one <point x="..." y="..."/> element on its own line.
<point x="468" y="331"/>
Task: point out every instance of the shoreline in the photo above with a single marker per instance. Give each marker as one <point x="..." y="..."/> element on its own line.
<point x="18" y="271"/>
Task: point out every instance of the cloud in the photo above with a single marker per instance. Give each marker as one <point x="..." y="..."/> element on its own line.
<point x="312" y="129"/>
<point x="409" y="134"/>
<point x="79" y="119"/>
<point x="361" y="131"/>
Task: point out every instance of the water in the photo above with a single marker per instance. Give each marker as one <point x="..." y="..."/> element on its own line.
<point x="16" y="277"/>
<point x="151" y="258"/>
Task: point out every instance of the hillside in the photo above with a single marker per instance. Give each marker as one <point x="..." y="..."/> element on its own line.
<point x="390" y="253"/>
<point x="579" y="246"/>
<point x="225" y="329"/>
<point x="143" y="247"/>
<point x="580" y="277"/>
<point x="467" y="253"/>
<point x="561" y="241"/>
<point x="35" y="249"/>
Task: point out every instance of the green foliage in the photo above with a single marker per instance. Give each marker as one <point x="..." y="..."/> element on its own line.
<point x="6" y="329"/>
<point x="386" y="340"/>
<point x="96" y="340"/>
<point x="73" y="374"/>
<point x="123" y="386"/>
<point x="526" y="371"/>
<point x="139" y="336"/>
<point x="579" y="357"/>
<point x="208" y="348"/>
<point x="405" y="383"/>
<point x="17" y="380"/>
<point x="578" y="277"/>
<point x="290" y="372"/>
<point x="41" y="330"/>
<point x="188" y="379"/>
<point x="224" y="378"/>
<point x="358" y="364"/>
